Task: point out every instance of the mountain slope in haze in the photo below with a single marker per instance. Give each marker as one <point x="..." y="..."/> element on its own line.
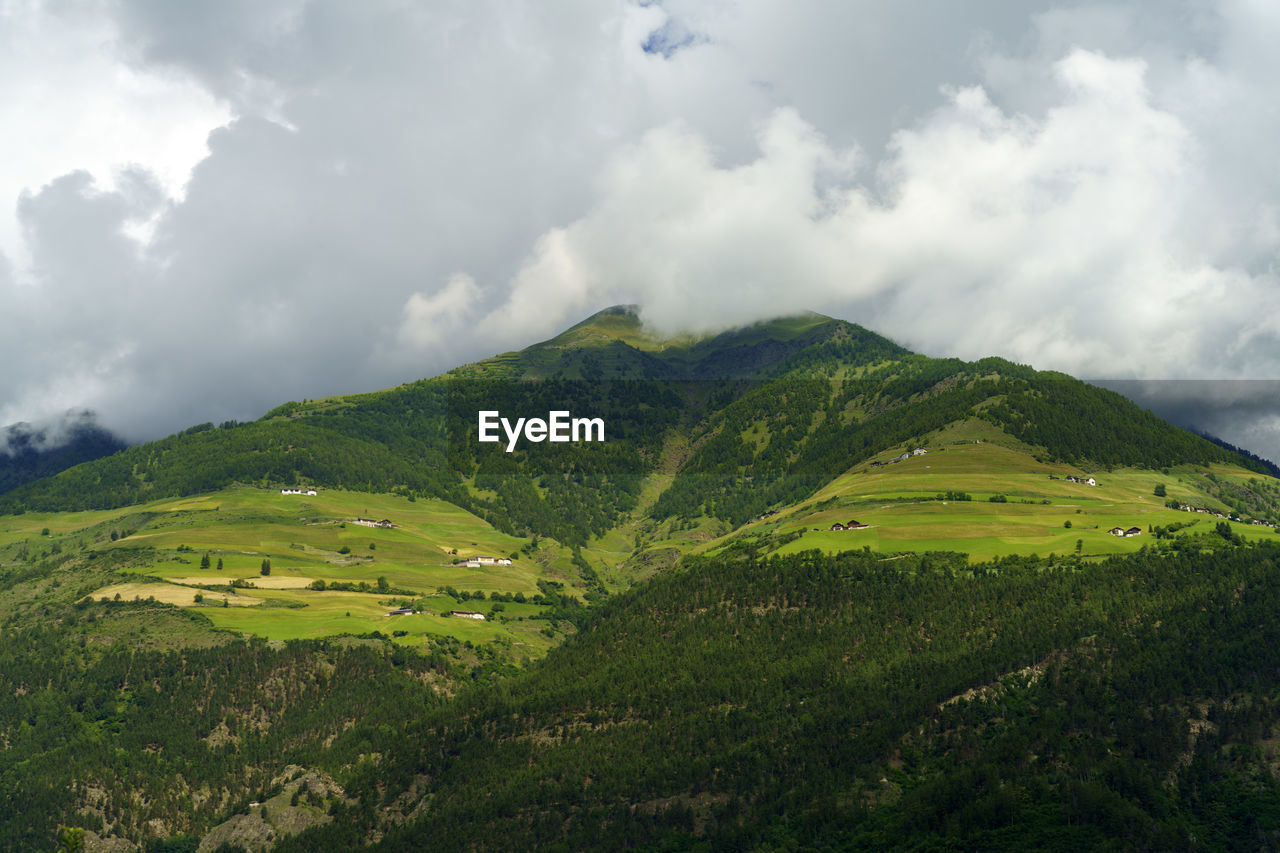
<point x="27" y="455"/>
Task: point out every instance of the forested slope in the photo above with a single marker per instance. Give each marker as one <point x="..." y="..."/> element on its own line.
<point x="860" y="703"/>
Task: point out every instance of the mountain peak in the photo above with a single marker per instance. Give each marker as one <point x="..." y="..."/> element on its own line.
<point x="615" y="343"/>
<point x="626" y="323"/>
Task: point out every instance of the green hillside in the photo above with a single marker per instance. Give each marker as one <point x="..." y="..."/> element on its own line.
<point x="765" y="435"/>
<point x="681" y="653"/>
<point x="846" y="703"/>
<point x="976" y="490"/>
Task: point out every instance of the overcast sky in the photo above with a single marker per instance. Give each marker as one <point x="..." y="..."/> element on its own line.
<point x="213" y="207"/>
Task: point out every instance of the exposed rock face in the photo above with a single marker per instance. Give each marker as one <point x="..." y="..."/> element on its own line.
<point x="301" y="804"/>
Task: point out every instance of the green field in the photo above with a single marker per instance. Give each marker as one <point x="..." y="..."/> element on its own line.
<point x="899" y="503"/>
<point x="161" y="546"/>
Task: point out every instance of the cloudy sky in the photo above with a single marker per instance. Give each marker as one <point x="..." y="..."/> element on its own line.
<point x="210" y="208"/>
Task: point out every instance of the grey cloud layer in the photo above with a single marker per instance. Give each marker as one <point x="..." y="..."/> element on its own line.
<point x="407" y="187"/>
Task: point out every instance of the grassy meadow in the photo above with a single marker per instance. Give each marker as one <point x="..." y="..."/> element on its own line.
<point x="1042" y="513"/>
<point x="160" y="546"/>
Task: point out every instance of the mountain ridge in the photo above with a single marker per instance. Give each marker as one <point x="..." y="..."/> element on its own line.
<point x="417" y="437"/>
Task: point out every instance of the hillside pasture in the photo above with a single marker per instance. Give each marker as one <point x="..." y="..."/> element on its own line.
<point x="900" y="502"/>
<point x="303" y="538"/>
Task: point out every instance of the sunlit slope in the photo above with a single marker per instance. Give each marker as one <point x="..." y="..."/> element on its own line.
<point x="976" y="490"/>
<point x="312" y="544"/>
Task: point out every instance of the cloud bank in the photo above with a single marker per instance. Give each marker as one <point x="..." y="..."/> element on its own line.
<point x="338" y="197"/>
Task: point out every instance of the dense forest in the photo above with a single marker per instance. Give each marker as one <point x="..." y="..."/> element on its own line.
<point x="168" y="730"/>
<point x="854" y="702"/>
<point x="740" y="703"/>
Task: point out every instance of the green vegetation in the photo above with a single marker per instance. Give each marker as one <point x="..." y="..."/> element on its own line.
<point x="848" y="702"/>
<point x="926" y="503"/>
<point x="280" y="572"/>
<point x="112" y="738"/>
<point x="752" y="619"/>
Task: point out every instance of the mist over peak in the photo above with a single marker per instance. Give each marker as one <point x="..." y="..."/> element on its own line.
<point x="32" y="451"/>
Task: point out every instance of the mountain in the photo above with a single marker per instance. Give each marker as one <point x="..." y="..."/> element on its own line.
<point x="27" y="453"/>
<point x="812" y="590"/>
<point x="845" y="394"/>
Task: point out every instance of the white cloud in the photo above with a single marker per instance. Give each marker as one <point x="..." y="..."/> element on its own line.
<point x="69" y="103"/>
<point x="1071" y="239"/>
<point x="1082" y="186"/>
<point x="432" y="320"/>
